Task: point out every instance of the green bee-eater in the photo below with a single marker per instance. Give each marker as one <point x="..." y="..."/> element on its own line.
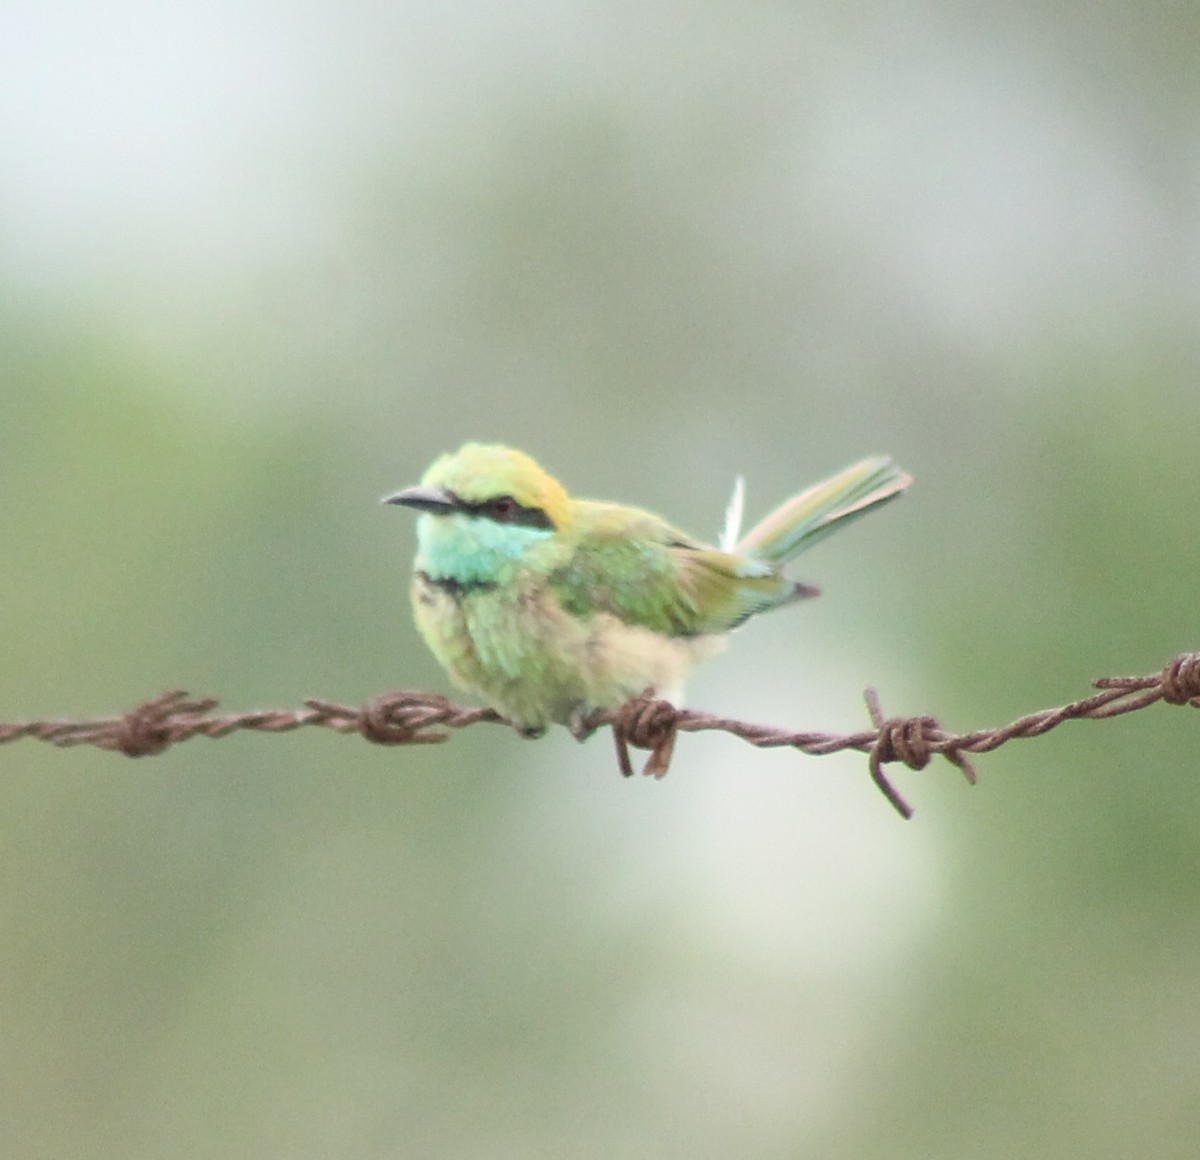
<point x="550" y="607"/>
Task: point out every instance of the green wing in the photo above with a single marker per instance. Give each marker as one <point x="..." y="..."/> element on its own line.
<point x="637" y="567"/>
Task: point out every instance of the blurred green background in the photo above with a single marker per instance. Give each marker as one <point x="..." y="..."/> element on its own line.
<point x="260" y="263"/>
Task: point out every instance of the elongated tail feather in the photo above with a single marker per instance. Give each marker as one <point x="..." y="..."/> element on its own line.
<point x="733" y="516"/>
<point x="809" y="517"/>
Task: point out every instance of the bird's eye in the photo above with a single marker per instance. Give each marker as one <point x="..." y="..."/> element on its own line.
<point x="503" y="508"/>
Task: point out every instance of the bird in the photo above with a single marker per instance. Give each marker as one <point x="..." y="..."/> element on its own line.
<point x="552" y="608"/>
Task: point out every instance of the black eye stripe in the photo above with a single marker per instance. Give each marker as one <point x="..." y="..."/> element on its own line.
<point x="518" y="514"/>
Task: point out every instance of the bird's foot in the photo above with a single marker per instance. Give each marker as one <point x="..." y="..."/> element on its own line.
<point x="582" y="723"/>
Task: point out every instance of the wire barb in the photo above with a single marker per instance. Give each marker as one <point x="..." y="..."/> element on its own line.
<point x="415" y="718"/>
<point x="648" y="724"/>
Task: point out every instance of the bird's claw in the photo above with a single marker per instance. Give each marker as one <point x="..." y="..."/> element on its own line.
<point x="581" y="723"/>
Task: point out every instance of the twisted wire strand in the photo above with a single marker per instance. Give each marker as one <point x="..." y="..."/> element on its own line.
<point x="416" y="718"/>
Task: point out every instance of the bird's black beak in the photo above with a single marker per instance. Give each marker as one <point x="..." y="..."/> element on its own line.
<point x="425" y="499"/>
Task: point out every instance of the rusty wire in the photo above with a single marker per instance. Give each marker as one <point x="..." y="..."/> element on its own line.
<point x="415" y="718"/>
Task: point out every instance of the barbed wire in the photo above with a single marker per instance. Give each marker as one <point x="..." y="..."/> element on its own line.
<point x="417" y="718"/>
